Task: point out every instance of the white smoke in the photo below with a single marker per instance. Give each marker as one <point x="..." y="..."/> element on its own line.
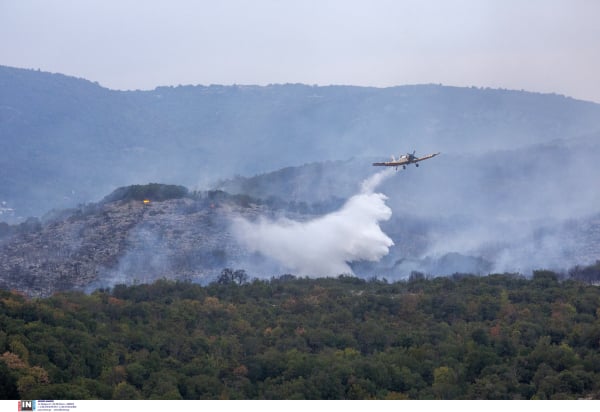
<point x="324" y="246"/>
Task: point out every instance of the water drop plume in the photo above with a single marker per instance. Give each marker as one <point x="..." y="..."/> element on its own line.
<point x="324" y="246"/>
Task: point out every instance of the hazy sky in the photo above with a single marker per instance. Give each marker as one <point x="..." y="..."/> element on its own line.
<point x="536" y="45"/>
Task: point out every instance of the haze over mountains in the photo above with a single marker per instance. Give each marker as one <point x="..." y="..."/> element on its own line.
<point x="515" y="187"/>
<point x="66" y="140"/>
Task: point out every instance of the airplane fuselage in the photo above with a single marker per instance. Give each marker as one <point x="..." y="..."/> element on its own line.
<point x="405" y="160"/>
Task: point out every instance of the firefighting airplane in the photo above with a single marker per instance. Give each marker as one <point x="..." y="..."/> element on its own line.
<point x="405" y="160"/>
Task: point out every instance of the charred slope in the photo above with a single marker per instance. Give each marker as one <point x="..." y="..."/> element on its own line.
<point x="124" y="241"/>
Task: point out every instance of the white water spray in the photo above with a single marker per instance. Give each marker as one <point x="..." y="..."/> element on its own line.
<point x="324" y="246"/>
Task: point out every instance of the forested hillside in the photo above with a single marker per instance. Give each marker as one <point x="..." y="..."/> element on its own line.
<point x="493" y="337"/>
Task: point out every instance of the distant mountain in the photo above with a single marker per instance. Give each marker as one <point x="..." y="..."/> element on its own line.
<point x="65" y="141"/>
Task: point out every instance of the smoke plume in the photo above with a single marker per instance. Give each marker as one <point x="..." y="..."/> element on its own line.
<point x="324" y="246"/>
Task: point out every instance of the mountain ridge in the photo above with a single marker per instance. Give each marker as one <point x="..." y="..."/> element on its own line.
<point x="66" y="141"/>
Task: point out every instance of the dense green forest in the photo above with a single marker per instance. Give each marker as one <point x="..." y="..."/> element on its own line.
<point x="492" y="337"/>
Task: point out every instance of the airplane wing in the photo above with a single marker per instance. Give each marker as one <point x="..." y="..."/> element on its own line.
<point x="426" y="157"/>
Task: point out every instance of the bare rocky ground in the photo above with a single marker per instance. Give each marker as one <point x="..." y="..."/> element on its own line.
<point x="190" y="238"/>
<point x="123" y="242"/>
